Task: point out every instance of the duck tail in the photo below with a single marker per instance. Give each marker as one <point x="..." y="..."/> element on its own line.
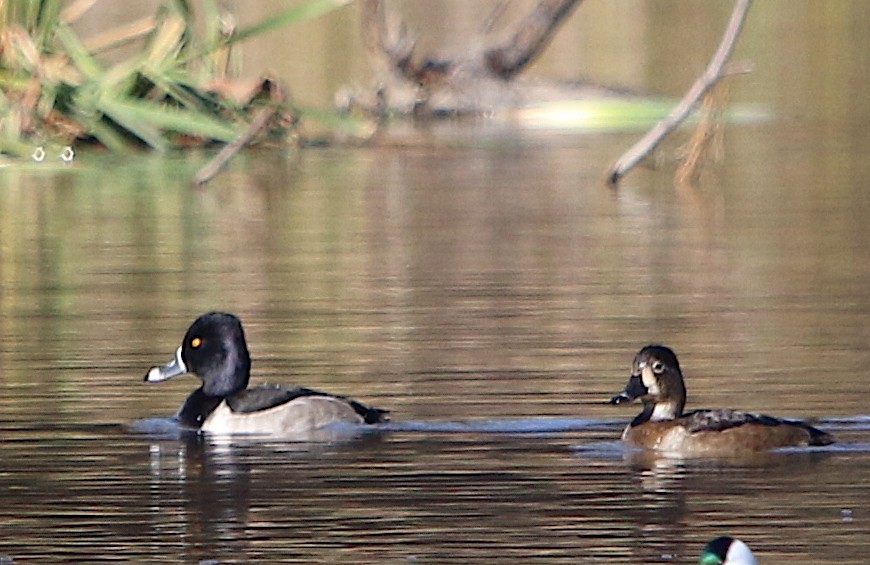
<point x="370" y="414"/>
<point x="818" y="437"/>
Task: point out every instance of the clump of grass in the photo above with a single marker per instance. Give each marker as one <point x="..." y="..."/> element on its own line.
<point x="55" y="86"/>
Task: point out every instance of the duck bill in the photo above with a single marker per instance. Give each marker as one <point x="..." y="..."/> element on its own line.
<point x="172" y="369"/>
<point x="633" y="390"/>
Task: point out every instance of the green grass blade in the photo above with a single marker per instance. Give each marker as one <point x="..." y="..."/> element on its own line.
<point x="307" y="11"/>
<point x="49" y="18"/>
<point x="212" y="21"/>
<point x="132" y="120"/>
<point x="108" y="136"/>
<point x="142" y="116"/>
<point x="77" y="52"/>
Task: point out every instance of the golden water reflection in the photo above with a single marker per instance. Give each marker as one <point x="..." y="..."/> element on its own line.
<point x="461" y="285"/>
<point x="486" y="288"/>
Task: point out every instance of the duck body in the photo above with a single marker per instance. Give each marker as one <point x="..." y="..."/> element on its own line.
<point x="214" y="348"/>
<point x="721" y="432"/>
<point x="663" y="426"/>
<point x="292" y="417"/>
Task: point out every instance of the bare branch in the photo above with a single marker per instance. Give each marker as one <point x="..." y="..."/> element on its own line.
<point x="392" y="45"/>
<point x="529" y="41"/>
<point x="259" y="123"/>
<point x="711" y="75"/>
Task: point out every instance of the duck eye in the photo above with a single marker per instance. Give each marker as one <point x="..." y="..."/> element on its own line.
<point x="658" y="367"/>
<point x="196" y="342"/>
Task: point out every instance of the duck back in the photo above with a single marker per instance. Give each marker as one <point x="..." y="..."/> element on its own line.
<point x="724" y="432"/>
<point x="264" y="397"/>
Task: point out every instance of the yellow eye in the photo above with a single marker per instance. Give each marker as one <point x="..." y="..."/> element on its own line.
<point x="196" y="342"/>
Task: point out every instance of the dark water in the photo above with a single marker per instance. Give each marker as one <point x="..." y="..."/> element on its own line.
<point x="487" y="288"/>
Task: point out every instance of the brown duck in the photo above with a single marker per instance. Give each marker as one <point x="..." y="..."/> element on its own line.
<point x="662" y="426"/>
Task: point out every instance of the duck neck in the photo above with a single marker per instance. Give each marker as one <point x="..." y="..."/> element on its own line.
<point x="659" y="411"/>
<point x="196" y="408"/>
<point x="227" y="374"/>
<point x="667" y="410"/>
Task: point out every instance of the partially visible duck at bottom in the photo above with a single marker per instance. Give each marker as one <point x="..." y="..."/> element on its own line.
<point x="215" y="350"/>
<point x="726" y="550"/>
<point x="662" y="426"/>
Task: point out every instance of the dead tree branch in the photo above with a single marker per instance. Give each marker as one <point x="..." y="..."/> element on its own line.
<point x="392" y="46"/>
<point x="711" y="75"/>
<point x="457" y="80"/>
<point x="530" y="39"/>
<point x="258" y="124"/>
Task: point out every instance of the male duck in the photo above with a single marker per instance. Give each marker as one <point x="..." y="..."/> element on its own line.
<point x="656" y="379"/>
<point x="726" y="550"/>
<point x="214" y="349"/>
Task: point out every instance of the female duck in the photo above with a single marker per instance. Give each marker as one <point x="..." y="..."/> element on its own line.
<point x="726" y="550"/>
<point x="214" y="349"/>
<point x="656" y="379"/>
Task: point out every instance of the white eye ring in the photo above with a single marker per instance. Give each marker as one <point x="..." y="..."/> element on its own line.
<point x="658" y="367"/>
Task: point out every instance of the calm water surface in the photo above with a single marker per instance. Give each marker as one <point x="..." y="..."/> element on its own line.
<point x="486" y="288"/>
<point x="491" y="297"/>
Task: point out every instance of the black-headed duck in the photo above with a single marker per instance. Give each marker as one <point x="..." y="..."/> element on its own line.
<point x="662" y="426"/>
<point x="215" y="350"/>
<point x="726" y="550"/>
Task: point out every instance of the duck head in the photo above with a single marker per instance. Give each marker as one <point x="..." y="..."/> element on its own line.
<point x="215" y="350"/>
<point x="726" y="550"/>
<point x="657" y="381"/>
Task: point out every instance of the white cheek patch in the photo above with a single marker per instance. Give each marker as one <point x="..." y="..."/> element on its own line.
<point x="649" y="380"/>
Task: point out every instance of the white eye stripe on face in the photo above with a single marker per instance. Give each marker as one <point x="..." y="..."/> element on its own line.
<point x="649" y="379"/>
